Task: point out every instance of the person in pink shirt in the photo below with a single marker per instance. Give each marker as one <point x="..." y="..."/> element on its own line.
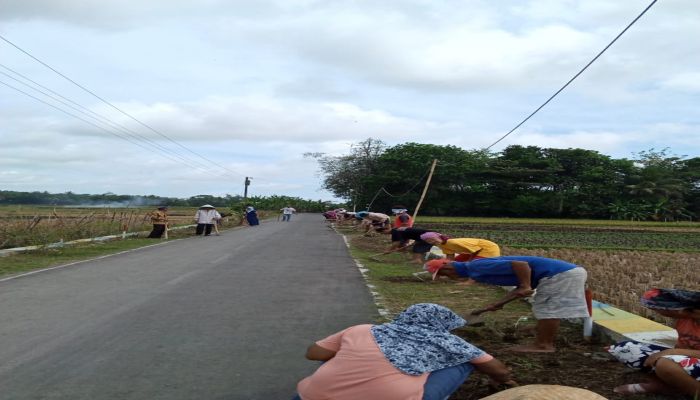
<point x="414" y="357"/>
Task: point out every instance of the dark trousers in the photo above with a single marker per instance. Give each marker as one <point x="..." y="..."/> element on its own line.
<point x="206" y="228"/>
<point x="157" y="232"/>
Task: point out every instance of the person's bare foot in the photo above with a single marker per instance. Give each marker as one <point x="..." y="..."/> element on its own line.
<point x="652" y="386"/>
<point x="633" y="388"/>
<point x="532" y="348"/>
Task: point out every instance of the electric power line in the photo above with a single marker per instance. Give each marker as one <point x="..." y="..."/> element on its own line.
<point x="117" y="108"/>
<point x="102" y="119"/>
<point x="409" y="190"/>
<point x="382" y="189"/>
<point x="575" y="76"/>
<point x="136" y="143"/>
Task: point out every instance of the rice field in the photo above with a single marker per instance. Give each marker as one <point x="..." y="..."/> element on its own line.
<point x="31" y="225"/>
<point x="622" y="259"/>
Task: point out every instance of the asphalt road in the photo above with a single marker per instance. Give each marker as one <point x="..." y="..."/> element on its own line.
<point x="221" y="317"/>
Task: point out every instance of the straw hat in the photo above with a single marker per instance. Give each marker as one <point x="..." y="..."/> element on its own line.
<point x="545" y="392"/>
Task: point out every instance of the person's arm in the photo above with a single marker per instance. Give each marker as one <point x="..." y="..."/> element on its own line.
<point x="523" y="273"/>
<point x="497" y="371"/>
<point x="318" y="353"/>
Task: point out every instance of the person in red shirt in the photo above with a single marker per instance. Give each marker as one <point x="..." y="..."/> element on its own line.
<point x="402" y="219"/>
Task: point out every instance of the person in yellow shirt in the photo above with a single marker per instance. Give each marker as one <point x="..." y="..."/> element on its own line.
<point x="159" y="219"/>
<point x="463" y="249"/>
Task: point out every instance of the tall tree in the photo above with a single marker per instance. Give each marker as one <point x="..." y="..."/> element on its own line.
<point x="402" y="172"/>
<point x="343" y="175"/>
<point x="659" y="183"/>
<point x="584" y="180"/>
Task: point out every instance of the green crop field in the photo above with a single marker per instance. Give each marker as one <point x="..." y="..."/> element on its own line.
<point x="584" y="234"/>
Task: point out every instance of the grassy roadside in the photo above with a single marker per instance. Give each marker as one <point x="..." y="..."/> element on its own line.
<point x="576" y="363"/>
<point x="392" y="275"/>
<point x="32" y="260"/>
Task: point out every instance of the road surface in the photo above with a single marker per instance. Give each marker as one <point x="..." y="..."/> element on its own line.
<point x="222" y="317"/>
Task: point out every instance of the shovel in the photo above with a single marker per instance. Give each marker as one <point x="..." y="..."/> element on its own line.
<point x="475" y="318"/>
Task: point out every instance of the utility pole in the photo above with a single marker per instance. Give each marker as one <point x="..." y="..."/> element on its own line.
<point x="245" y="191"/>
<point x="425" y="188"/>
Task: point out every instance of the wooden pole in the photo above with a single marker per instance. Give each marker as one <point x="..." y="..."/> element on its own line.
<point x="425" y="189"/>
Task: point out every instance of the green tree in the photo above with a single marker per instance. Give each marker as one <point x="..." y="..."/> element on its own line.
<point x="659" y="183"/>
<point x="402" y="173"/>
<point x="584" y="181"/>
<point x="343" y="175"/>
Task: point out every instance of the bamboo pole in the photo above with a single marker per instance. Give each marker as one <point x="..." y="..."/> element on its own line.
<point x="425" y="189"/>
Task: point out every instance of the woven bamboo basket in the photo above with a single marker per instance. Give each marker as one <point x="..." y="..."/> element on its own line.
<point x="545" y="392"/>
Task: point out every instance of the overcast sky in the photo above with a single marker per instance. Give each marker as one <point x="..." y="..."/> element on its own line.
<point x="246" y="87"/>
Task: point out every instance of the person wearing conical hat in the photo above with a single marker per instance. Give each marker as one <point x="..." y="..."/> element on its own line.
<point x="205" y="218"/>
<point x="545" y="392"/>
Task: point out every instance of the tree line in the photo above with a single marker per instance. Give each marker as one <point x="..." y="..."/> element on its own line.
<point x="274" y="202"/>
<point x="519" y="181"/>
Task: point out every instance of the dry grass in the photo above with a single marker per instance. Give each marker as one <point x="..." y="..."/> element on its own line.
<point x="620" y="277"/>
<point x="27" y="226"/>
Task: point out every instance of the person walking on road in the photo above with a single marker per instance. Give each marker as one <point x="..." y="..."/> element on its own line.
<point x="205" y="218"/>
<point x="560" y="289"/>
<point x="287" y="213"/>
<point x="159" y="219"/>
<point x="413" y="357"/>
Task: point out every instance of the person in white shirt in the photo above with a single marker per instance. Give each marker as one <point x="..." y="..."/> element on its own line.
<point x="287" y="213"/>
<point x="374" y="221"/>
<point x="205" y="218"/>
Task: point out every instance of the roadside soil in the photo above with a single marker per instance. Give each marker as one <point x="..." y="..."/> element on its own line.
<point x="576" y="363"/>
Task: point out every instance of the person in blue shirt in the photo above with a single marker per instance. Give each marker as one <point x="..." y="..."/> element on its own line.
<point x="560" y="289"/>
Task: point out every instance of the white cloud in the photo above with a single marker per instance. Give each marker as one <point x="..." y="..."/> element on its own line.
<point x="683" y="82"/>
<point x="256" y="119"/>
<point x="254" y="85"/>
